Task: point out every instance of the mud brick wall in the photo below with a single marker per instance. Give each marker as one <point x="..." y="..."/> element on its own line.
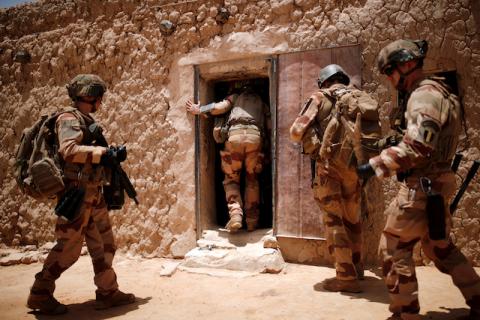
<point x="122" y="41"/>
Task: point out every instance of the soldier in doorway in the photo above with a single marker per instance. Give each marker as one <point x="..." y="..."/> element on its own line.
<point x="246" y="127"/>
<point x="422" y="162"/>
<point x="336" y="186"/>
<point x="83" y="167"/>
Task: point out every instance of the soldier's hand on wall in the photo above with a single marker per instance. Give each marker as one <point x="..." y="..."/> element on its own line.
<point x="193" y="108"/>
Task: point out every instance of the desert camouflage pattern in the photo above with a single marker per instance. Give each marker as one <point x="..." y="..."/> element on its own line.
<point x="248" y="108"/>
<point x="243" y="151"/>
<point x="92" y="224"/>
<point x="336" y="187"/>
<point x="86" y="85"/>
<point x="317" y="108"/>
<point x="433" y="128"/>
<point x="70" y="137"/>
<point x="338" y="193"/>
<point x="406" y="225"/>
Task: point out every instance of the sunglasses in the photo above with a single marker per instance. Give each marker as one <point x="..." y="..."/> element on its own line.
<point x="388" y="70"/>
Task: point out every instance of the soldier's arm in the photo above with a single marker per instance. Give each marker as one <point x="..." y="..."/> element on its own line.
<point x="306" y="116"/>
<point x="425" y="119"/>
<point x="70" y="136"/>
<point x="214" y="108"/>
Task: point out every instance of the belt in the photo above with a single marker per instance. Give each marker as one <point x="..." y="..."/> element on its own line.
<point x="233" y="132"/>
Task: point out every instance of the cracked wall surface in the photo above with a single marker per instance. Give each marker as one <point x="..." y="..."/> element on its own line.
<point x="148" y="70"/>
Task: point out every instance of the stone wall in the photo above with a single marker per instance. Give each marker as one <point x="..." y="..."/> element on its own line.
<point x="147" y="65"/>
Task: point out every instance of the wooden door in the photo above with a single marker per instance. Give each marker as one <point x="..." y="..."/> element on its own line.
<point x="297" y="214"/>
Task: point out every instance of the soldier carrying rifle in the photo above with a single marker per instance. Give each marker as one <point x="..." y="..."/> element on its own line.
<point x="420" y="211"/>
<point x="81" y="207"/>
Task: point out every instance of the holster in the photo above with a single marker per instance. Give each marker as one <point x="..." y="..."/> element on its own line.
<point x="436" y="216"/>
<point x="69" y="204"/>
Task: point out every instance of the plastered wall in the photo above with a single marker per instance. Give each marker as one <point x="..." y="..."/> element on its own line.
<point x="150" y="76"/>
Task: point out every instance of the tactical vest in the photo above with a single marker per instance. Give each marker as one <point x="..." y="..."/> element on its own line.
<point x="89" y="173"/>
<point x="248" y="109"/>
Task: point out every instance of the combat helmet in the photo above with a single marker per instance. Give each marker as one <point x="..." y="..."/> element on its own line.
<point x="86" y="85"/>
<point x="400" y="51"/>
<point x="332" y="71"/>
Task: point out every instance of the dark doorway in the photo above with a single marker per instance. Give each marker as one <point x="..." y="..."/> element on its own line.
<point x="450" y="79"/>
<point x="221" y="89"/>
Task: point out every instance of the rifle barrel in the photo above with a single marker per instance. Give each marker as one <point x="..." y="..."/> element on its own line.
<point x="471" y="173"/>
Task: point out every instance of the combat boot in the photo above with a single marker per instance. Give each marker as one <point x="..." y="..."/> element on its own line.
<point x="252" y="224"/>
<point x="335" y="285"/>
<point x="235" y="222"/>
<point x="404" y="316"/>
<point x="359" y="268"/>
<point x="45" y="303"/>
<point x="116" y="298"/>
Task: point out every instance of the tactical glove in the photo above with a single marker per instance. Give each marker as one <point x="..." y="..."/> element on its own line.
<point x="114" y="155"/>
<point x="365" y="171"/>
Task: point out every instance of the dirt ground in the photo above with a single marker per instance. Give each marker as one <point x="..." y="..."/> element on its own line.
<point x="295" y="293"/>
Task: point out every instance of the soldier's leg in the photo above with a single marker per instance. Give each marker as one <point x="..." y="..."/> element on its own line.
<point x="327" y="192"/>
<point x="101" y="247"/>
<point x="351" y="194"/>
<point x="406" y="224"/>
<point x="232" y="158"/>
<point x="450" y="260"/>
<point x="399" y="274"/>
<point x="66" y="251"/>
<point x="253" y="166"/>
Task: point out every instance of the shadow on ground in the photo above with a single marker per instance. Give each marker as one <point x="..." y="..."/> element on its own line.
<point x="86" y="310"/>
<point x="374" y="290"/>
<point x="449" y="314"/>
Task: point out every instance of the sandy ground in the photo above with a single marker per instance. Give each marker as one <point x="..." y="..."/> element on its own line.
<point x="295" y="293"/>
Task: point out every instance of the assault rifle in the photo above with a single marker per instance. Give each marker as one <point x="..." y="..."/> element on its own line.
<point x="470" y="175"/>
<point x="120" y="183"/>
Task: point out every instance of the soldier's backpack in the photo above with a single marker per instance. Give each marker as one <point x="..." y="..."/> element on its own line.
<point x="350" y="103"/>
<point x="37" y="167"/>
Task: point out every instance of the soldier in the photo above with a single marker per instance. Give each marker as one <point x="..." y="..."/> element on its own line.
<point x="82" y="168"/>
<point x="246" y="123"/>
<point x="419" y="211"/>
<point x="336" y="185"/>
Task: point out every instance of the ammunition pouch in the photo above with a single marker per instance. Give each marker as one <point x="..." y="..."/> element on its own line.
<point x="220" y="129"/>
<point x="47" y="177"/>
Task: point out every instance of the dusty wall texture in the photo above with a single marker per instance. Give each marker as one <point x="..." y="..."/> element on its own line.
<point x="149" y="75"/>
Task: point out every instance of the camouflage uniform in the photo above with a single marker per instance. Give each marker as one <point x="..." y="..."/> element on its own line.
<point x="81" y="168"/>
<point x="92" y="222"/>
<point x="243" y="149"/>
<point x="336" y="186"/>
<point x="433" y="127"/>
